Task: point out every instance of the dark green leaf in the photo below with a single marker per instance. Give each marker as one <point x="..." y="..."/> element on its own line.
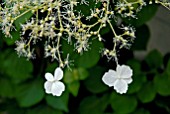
<point x="142" y="38"/>
<point x="6" y="88"/>
<point x="75" y="74"/>
<point x="11" y="40"/>
<point x="162" y="84"/>
<point x="143" y="16"/>
<point x="94" y="82"/>
<point x="60" y="103"/>
<point x="122" y="104"/>
<point x="154" y="59"/>
<point x="141" y="111"/>
<point x="30" y="94"/>
<point x="22" y="20"/>
<point x="94" y="105"/>
<point x="17" y="68"/>
<point x="90" y="58"/>
<point x="147" y="93"/>
<point x="74" y="88"/>
<point x="43" y="110"/>
<point x="168" y="68"/>
<point x="138" y="81"/>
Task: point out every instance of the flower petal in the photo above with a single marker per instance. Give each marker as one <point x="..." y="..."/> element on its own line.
<point x="58" y="74"/>
<point x="47" y="86"/>
<point x="57" y="88"/>
<point x="49" y="77"/>
<point x="109" y="78"/>
<point x="128" y="80"/>
<point x="124" y="71"/>
<point x="120" y="86"/>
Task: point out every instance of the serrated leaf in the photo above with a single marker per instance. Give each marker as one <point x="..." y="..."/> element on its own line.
<point x="30" y="94"/>
<point x="150" y="90"/>
<point x="60" y="103"/>
<point x="122" y="104"/>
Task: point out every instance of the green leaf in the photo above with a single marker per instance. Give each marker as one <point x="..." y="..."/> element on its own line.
<point x="94" y="83"/>
<point x="91" y="57"/>
<point x="6" y="88"/>
<point x="11" y="40"/>
<point x="141" y="111"/>
<point x="75" y="74"/>
<point x="147" y="13"/>
<point x="162" y="84"/>
<point x="74" y="88"/>
<point x="30" y="94"/>
<point x="154" y="59"/>
<point x="51" y="67"/>
<point x="93" y="105"/>
<point x="22" y="20"/>
<point x="83" y="73"/>
<point x="43" y="110"/>
<point x="83" y="8"/>
<point x="60" y="103"/>
<point x="150" y="90"/>
<point x="135" y="65"/>
<point x="122" y="104"/>
<point x="17" y="68"/>
<point x="138" y="81"/>
<point x="141" y="41"/>
<point x="168" y="68"/>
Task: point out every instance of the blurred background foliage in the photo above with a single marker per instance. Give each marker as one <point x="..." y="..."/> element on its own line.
<point x="21" y="81"/>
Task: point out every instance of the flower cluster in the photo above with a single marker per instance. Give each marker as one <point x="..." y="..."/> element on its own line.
<point x="55" y="20"/>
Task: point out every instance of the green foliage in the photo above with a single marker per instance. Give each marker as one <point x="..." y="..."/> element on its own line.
<point x="90" y="58"/>
<point x="30" y="94"/>
<point x="22" y="90"/>
<point x="15" y="36"/>
<point x="94" y="83"/>
<point x="43" y="110"/>
<point x="60" y="103"/>
<point x="141" y="38"/>
<point x="21" y="20"/>
<point x="143" y="16"/>
<point x="93" y="105"/>
<point x="147" y="93"/>
<point x="154" y="59"/>
<point x="123" y="104"/>
<point x="20" y="69"/>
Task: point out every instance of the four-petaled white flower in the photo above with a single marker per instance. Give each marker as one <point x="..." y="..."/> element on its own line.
<point x="53" y="85"/>
<point x="119" y="79"/>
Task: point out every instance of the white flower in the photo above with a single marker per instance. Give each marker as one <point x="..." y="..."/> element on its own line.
<point x="119" y="79"/>
<point x="53" y="85"/>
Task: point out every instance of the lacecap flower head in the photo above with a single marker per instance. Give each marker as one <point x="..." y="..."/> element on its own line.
<point x="119" y="79"/>
<point x="53" y="85"/>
